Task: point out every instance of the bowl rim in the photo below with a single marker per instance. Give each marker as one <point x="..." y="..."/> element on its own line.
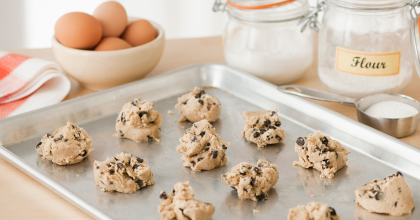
<point x="157" y="27"/>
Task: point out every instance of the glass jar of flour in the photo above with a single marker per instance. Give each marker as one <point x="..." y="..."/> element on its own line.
<point x="364" y="46"/>
<point x="262" y="37"/>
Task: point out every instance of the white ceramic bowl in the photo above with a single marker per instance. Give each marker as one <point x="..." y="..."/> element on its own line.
<point x="98" y="70"/>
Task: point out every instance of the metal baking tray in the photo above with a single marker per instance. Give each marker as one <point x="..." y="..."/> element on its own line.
<point x="373" y="154"/>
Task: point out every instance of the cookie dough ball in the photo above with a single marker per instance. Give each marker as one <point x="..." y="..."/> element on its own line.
<point x="391" y="196"/>
<point x="69" y="144"/>
<point x="252" y="182"/>
<point x="197" y="105"/>
<point x="263" y="127"/>
<point x="313" y="211"/>
<point x="322" y="153"/>
<point x="202" y="148"/>
<point x="122" y="173"/>
<point x="138" y="121"/>
<point x="181" y="205"/>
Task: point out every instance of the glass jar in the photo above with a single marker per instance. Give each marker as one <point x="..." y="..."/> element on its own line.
<point x="364" y="47"/>
<point x="263" y="38"/>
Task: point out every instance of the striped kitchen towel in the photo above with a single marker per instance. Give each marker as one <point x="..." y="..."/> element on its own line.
<point x="29" y="83"/>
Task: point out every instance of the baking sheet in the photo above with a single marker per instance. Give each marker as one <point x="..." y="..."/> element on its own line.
<point x="374" y="154"/>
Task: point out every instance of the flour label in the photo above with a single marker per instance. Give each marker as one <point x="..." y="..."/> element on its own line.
<point x="367" y="64"/>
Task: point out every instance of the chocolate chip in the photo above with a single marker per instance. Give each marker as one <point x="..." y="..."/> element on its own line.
<point x="184" y="103"/>
<point x="194" y="139"/>
<point x="379" y="196"/>
<point x="214" y="153"/>
<point x="375" y="188"/>
<point x="163" y="196"/>
<point x="201" y="102"/>
<point x="116" y="158"/>
<point x="262" y="130"/>
<point x="133" y="103"/>
<point x="121" y="133"/>
<point x="208" y="106"/>
<point x="48" y="135"/>
<point x="109" y="165"/>
<point x="73" y="126"/>
<point x="110" y="182"/>
<point x="300" y="141"/>
<point x="202" y="134"/>
<point x="257" y="170"/>
<point x="336" y="155"/>
<point x="245" y="190"/>
<point x="256" y="134"/>
<point x="200" y="159"/>
<point x="202" y="92"/>
<point x="206" y="149"/>
<point x="97" y="167"/>
<point x="399" y="189"/>
<point x="194" y="155"/>
<point x="39" y="144"/>
<point x="143" y="113"/>
<point x="278" y="137"/>
<point x="139" y="160"/>
<point x="234" y="188"/>
<point x="267" y="122"/>
<point x="59" y="138"/>
<point x="261" y="197"/>
<point x="139" y="182"/>
<point x="325" y="141"/>
<point x="332" y="211"/>
<point x="399" y="173"/>
<point x="325" y="163"/>
<point x="272" y="127"/>
<point x="120" y="165"/>
<point x="243" y="174"/>
<point x="173" y="191"/>
<point x="252" y="182"/>
<point x="193" y="163"/>
<point x="208" y="144"/>
<point x="278" y="123"/>
<point x="83" y="153"/>
<point x="149" y="138"/>
<point x="135" y="166"/>
<point x="122" y="117"/>
<point x="224" y="147"/>
<point x="258" y="120"/>
<point x="66" y="140"/>
<point x="273" y="113"/>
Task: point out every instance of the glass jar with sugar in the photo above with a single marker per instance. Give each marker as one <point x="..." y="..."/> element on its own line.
<point x="262" y="37"/>
<point x="364" y="46"/>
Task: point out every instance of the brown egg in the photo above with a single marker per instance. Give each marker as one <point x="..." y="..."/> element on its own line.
<point x="139" y="32"/>
<point x="78" y="30"/>
<point x="112" y="43"/>
<point x="112" y="17"/>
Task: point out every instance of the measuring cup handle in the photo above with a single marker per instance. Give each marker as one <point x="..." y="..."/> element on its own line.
<point x="317" y="94"/>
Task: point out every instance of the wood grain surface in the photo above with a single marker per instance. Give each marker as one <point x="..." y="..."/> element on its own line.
<point x="24" y="198"/>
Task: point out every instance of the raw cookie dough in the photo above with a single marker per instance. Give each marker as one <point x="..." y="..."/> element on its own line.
<point x="263" y="127"/>
<point x="69" y="144"/>
<point x="322" y="153"/>
<point x="313" y="211"/>
<point x="252" y="182"/>
<point x="391" y="196"/>
<point x="138" y="121"/>
<point x="202" y="148"/>
<point x="122" y="173"/>
<point x="181" y="205"/>
<point x="197" y="105"/>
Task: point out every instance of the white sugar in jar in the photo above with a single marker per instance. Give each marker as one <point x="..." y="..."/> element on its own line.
<point x="266" y="41"/>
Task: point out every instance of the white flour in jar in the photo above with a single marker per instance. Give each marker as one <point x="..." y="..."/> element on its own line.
<point x="391" y="109"/>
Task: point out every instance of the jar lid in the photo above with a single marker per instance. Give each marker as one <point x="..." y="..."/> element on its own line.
<point x="415" y="40"/>
<point x="256" y="4"/>
<point x="370" y="4"/>
<point x="267" y="10"/>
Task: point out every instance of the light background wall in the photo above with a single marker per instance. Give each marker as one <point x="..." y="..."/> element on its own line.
<point x="30" y="23"/>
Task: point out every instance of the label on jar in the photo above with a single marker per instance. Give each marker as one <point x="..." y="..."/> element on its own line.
<point x="367" y="64"/>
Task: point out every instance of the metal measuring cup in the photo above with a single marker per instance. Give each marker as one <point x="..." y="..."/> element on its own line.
<point x="396" y="127"/>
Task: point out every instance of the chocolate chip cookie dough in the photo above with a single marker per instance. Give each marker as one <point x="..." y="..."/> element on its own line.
<point x="313" y="211"/>
<point x="322" y="153"/>
<point x="138" y="121"/>
<point x="122" y="173"/>
<point x="252" y="182"/>
<point x="263" y="127"/>
<point x="197" y="105"/>
<point x="202" y="148"/>
<point x="69" y="144"/>
<point x="391" y="196"/>
<point x="181" y="205"/>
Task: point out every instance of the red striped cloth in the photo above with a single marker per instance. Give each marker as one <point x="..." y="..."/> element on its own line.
<point x="29" y="83"/>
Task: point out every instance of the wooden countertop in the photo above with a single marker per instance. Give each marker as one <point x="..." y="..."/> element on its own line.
<point x="24" y="198"/>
